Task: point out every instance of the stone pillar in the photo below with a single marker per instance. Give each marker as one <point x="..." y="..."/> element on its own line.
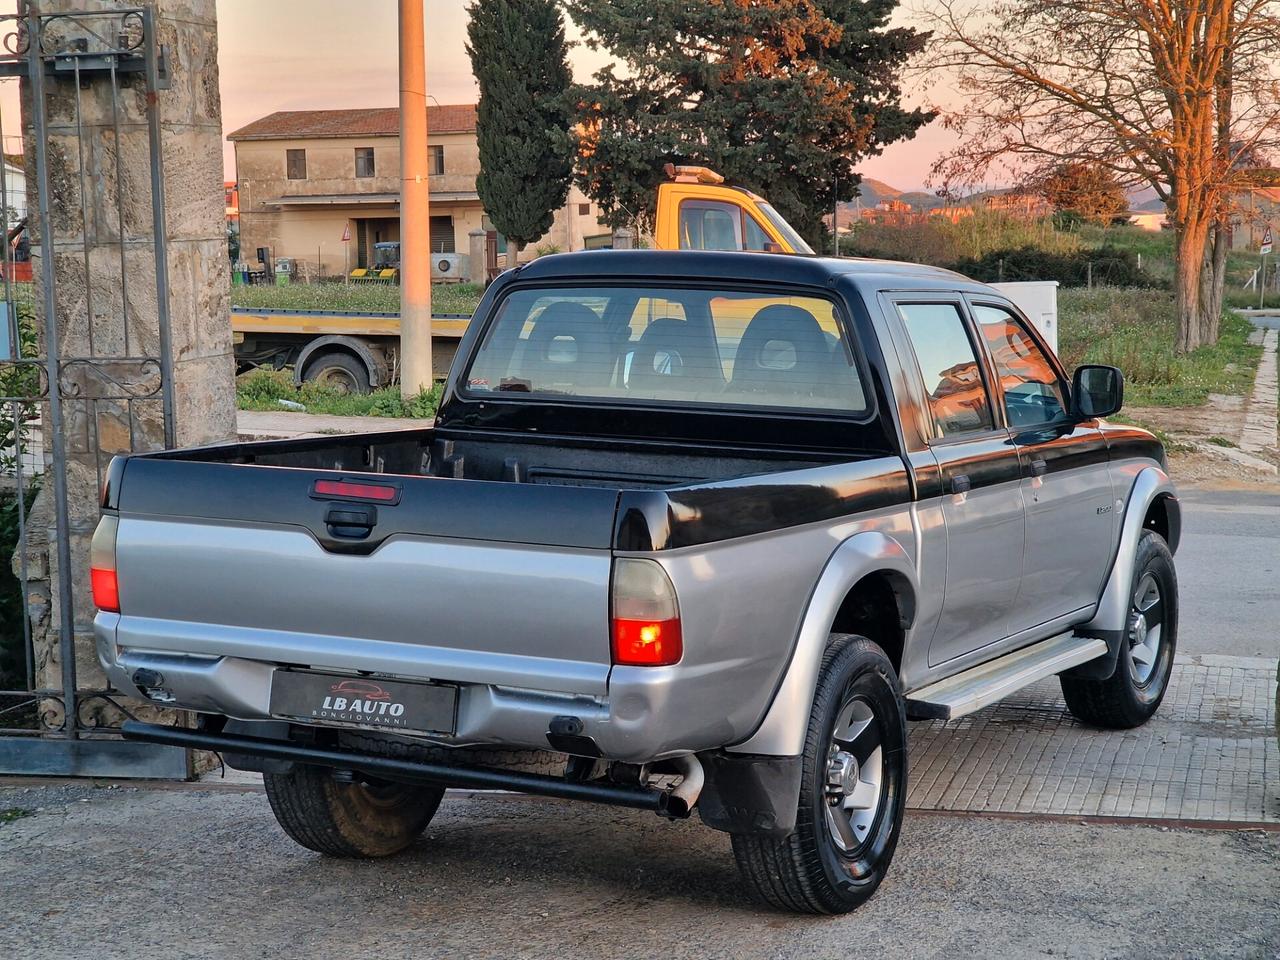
<point x="92" y="308"/>
<point x="476" y="271"/>
<point x="624" y="239"/>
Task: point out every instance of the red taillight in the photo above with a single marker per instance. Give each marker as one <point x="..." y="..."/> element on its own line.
<point x="646" y="618"/>
<point x="647" y="643"/>
<point x="359" y="491"/>
<point x="102" y="565"/>
<point x="106" y="590"/>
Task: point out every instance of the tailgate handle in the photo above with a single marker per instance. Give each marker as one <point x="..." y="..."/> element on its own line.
<point x="355" y="521"/>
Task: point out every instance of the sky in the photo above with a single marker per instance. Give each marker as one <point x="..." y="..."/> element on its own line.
<point x="317" y="54"/>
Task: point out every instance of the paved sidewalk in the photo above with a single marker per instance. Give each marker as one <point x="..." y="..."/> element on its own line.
<point x="1260" y="421"/>
<point x="1209" y="754"/>
<point x="258" y="424"/>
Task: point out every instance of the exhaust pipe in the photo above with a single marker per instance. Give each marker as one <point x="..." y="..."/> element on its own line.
<point x="681" y="800"/>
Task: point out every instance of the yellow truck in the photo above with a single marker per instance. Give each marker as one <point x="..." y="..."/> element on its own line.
<point x="697" y="210"/>
<point x="355" y="352"/>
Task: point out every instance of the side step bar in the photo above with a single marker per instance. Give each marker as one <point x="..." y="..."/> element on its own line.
<point x="986" y="683"/>
<point x="411" y="771"/>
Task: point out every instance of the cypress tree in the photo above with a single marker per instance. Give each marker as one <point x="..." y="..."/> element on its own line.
<point x="519" y="56"/>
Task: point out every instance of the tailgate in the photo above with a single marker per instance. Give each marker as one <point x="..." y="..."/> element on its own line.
<point x="463" y="580"/>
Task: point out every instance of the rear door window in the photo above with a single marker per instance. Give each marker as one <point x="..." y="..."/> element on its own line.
<point x="949" y="367"/>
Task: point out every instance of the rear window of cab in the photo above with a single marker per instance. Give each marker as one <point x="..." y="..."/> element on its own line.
<point x="696" y="347"/>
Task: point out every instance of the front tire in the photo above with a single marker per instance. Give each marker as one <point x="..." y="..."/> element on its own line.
<point x="1132" y="694"/>
<point x="349" y="819"/>
<point x="852" y="791"/>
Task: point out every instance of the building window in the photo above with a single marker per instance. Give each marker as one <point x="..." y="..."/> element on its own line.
<point x="364" y="161"/>
<point x="584" y="209"/>
<point x="442" y="235"/>
<point x="435" y="161"/>
<point x="296" y="164"/>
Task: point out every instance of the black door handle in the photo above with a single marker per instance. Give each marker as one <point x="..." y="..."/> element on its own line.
<point x="960" y="483"/>
<point x="354" y="521"/>
<point x="1039" y="468"/>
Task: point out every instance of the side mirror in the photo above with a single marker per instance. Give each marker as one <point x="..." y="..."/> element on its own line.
<point x="772" y="246"/>
<point x="1096" y="391"/>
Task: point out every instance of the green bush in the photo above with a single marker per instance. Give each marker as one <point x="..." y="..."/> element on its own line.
<point x="1106" y="266"/>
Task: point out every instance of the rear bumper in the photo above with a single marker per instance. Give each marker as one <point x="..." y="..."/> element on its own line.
<point x="634" y="725"/>
<point x="410" y="771"/>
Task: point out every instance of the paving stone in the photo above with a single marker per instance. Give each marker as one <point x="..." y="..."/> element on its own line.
<point x="1209" y="753"/>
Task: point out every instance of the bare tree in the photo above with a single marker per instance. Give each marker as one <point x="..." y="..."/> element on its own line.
<point x="1164" y="93"/>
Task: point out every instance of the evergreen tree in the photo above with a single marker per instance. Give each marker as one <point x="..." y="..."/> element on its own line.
<point x="782" y="96"/>
<point x="519" y="56"/>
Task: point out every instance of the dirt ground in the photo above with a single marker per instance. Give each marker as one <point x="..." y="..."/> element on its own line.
<point x="1220" y="419"/>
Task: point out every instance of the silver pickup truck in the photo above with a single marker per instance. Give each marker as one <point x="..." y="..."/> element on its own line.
<point x="692" y="531"/>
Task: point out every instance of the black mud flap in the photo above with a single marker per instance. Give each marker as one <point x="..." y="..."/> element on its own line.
<point x="1100" y="668"/>
<point x="749" y="793"/>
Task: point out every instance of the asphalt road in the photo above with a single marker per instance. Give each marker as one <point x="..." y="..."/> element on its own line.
<point x="168" y="874"/>
<point x="1229" y="573"/>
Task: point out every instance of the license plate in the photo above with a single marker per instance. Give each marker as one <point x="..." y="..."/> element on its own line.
<point x="390" y="705"/>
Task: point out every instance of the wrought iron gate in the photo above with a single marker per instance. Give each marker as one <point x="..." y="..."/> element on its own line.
<point x="76" y="358"/>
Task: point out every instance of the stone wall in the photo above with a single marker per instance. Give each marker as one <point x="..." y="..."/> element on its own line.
<point x="108" y="310"/>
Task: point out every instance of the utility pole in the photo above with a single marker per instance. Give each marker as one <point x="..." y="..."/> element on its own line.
<point x="415" y="218"/>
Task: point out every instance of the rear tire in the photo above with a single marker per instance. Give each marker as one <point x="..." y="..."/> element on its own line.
<point x="338" y="371"/>
<point x="852" y="792"/>
<point x="1132" y="694"/>
<point x="349" y="819"/>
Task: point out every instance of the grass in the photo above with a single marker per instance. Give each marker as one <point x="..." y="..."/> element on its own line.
<point x="262" y="389"/>
<point x="354" y="297"/>
<point x="1135" y="331"/>
<point x="941" y="242"/>
<point x="10" y="814"/>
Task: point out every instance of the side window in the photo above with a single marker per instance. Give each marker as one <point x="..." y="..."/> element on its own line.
<point x="1033" y="394"/>
<point x="949" y="365"/>
<point x="709" y="225"/>
<point x="756" y="237"/>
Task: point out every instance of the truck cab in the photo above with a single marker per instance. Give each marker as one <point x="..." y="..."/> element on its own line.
<point x="697" y="210"/>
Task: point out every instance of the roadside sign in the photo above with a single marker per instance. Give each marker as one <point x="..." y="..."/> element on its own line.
<point x="346" y="233"/>
<point x="1266" y="243"/>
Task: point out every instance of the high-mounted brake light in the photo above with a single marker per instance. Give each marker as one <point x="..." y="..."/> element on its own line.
<point x="359" y="491"/>
<point x="646" y="617"/>
<point x="102" y="565"/>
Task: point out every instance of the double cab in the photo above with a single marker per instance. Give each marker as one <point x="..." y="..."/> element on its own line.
<point x="692" y="531"/>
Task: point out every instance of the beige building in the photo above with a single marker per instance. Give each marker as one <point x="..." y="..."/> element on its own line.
<point x="309" y="178"/>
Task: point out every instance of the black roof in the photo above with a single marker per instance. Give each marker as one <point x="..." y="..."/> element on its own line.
<point x="782" y="268"/>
